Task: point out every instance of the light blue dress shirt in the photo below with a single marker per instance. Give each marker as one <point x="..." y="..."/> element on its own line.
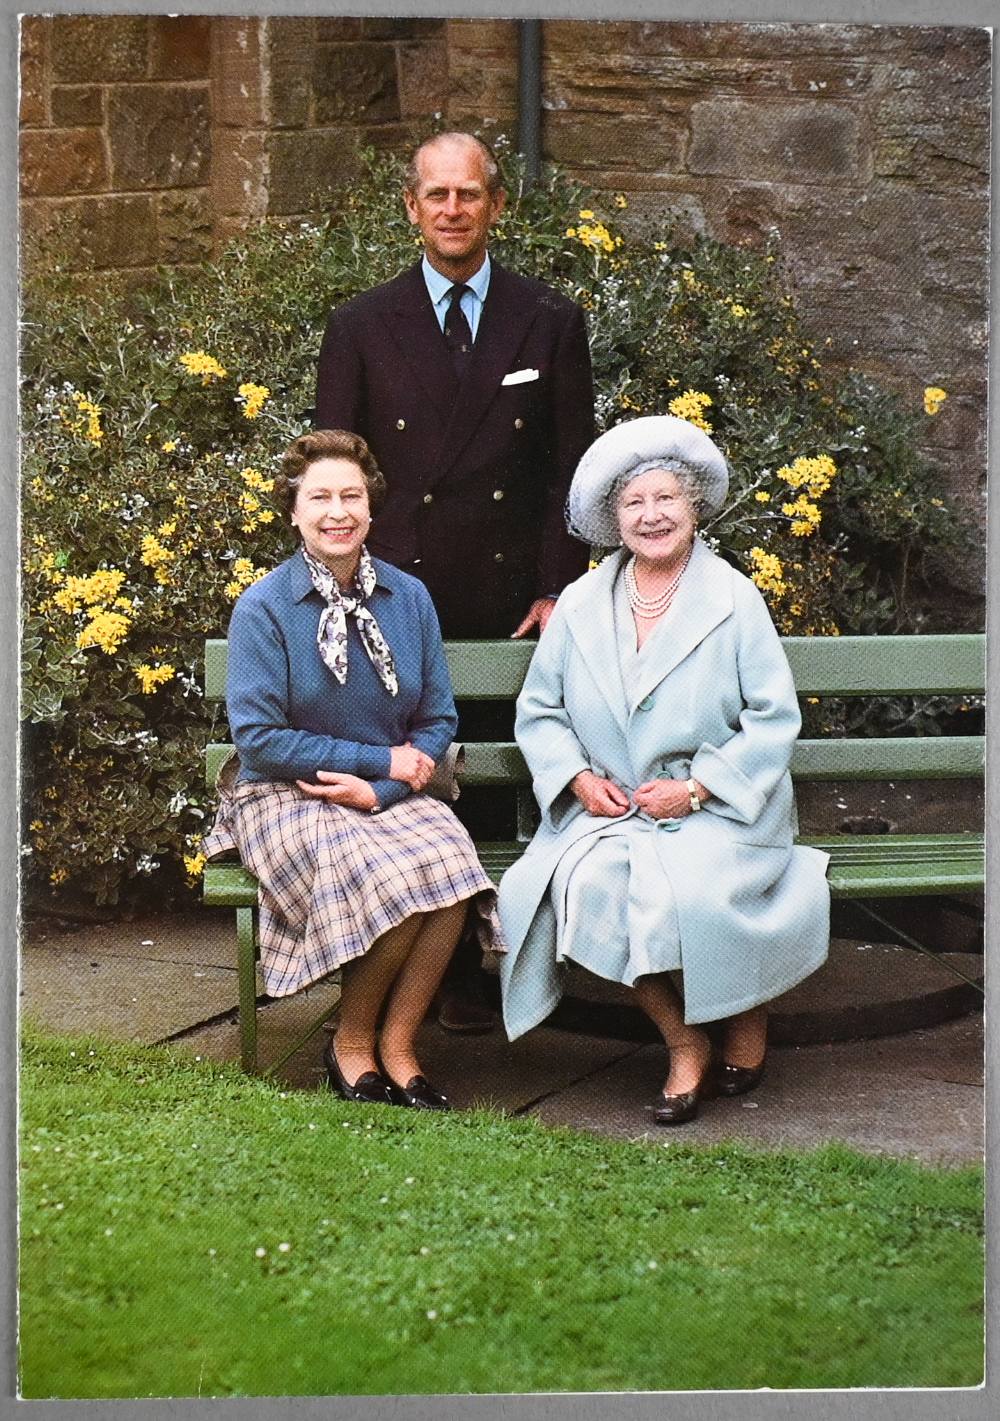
<point x="438" y="287"/>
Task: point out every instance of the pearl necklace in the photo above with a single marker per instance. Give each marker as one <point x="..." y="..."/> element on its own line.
<point x="649" y="608"/>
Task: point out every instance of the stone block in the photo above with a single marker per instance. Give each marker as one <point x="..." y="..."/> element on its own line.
<point x="98" y="233"/>
<point x="423" y="78"/>
<point x="77" y="105"/>
<point x="388" y="29"/>
<point x="239" y="173"/>
<point x="630" y="141"/>
<point x="306" y="167"/>
<point x="180" y="46"/>
<point x="111" y="47"/>
<point x="34" y="66"/>
<point x="159" y="135"/>
<point x="818" y="142"/>
<point x="184" y="226"/>
<point x="338" y="31"/>
<point x="55" y="162"/>
<point x="237" y="72"/>
<point x="289" y="59"/>
<point x="355" y="83"/>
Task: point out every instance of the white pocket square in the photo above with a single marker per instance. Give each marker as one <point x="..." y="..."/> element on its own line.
<point x="519" y="377"/>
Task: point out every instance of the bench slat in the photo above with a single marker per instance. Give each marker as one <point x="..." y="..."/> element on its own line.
<point x="949" y="664"/>
<point x="861" y="866"/>
<point x="928" y="758"/>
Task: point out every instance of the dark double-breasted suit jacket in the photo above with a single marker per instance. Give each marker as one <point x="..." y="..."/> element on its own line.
<point x="477" y="469"/>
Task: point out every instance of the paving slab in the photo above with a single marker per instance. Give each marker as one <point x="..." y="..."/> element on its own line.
<point x="204" y="937"/>
<point x="132" y="998"/>
<point x="918" y="1095"/>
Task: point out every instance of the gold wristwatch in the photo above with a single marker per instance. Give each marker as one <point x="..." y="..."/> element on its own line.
<point x="695" y="801"/>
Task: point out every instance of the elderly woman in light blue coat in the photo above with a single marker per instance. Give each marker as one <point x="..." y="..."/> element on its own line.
<point x="658" y="718"/>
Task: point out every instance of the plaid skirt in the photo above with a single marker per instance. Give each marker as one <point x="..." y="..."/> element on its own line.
<point x="333" y="879"/>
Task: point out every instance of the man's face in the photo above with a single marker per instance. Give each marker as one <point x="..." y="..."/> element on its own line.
<point x="453" y="208"/>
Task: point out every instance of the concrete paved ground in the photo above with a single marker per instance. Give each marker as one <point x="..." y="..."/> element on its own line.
<point x="915" y="1093"/>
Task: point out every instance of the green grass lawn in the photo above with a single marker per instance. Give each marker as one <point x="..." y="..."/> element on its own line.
<point x="188" y="1230"/>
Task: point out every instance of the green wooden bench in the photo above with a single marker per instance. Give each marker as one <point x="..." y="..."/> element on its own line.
<point x="862" y="866"/>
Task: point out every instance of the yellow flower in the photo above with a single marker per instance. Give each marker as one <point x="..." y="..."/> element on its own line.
<point x="194" y="864"/>
<point x="737" y="310"/>
<point x="106" y="630"/>
<point x="570" y="231"/>
<point x="86" y="421"/>
<point x="79" y="592"/>
<point x="934" y="398"/>
<point x="152" y="676"/>
<point x="254" y="398"/>
<point x="621" y="202"/>
<point x="815" y="475"/>
<point x="595" y="236"/>
<point x="168" y="446"/>
<point x="805" y="516"/>
<point x="197" y="362"/>
<point x="691" y="406"/>
<point x="253" y="479"/>
<point x="36" y="825"/>
<point x="762" y="497"/>
<point x="767" y="572"/>
<point x="59" y="875"/>
<point x="586" y="214"/>
<point x="168" y="529"/>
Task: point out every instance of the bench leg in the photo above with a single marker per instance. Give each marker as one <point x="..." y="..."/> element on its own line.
<point x="897" y="933"/>
<point x="246" y="958"/>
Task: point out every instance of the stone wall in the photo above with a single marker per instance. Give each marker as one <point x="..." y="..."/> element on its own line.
<point x="116" y="136"/>
<point x="867" y="147"/>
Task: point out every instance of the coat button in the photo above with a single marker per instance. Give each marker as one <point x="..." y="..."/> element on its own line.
<point x="497" y="494"/>
<point x="519" y="423"/>
<point x="498" y="557"/>
<point x="400" y="423"/>
<point x="428" y="498"/>
<point x="645" y="704"/>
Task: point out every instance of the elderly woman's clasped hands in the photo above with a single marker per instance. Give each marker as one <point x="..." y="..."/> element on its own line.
<point x="659" y="799"/>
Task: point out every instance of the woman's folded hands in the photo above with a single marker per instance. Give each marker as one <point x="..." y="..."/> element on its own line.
<point x="600" y="797"/>
<point x="660" y="799"/>
<point x="348" y="790"/>
<point x="410" y="765"/>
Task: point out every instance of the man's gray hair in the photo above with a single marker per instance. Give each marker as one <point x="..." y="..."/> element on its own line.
<point x="491" y="168"/>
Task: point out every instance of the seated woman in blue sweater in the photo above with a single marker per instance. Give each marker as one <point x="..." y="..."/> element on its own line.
<point x="340" y="706"/>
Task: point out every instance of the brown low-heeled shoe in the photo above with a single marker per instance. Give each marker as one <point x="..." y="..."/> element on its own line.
<point x="737" y="1080"/>
<point x="679" y="1109"/>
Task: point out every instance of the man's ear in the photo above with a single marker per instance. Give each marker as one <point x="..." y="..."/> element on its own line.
<point x="499" y="203"/>
<point x="411" y="206"/>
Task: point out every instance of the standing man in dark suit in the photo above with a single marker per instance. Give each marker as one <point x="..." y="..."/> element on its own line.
<point x="473" y="389"/>
<point x="472" y="386"/>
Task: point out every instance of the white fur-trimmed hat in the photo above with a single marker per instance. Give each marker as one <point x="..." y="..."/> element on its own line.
<point x="655" y="441"/>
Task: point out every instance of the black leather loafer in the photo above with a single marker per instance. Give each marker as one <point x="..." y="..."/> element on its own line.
<point x="370" y="1088"/>
<point x="678" y="1109"/>
<point x="418" y="1094"/>
<point x="737" y="1080"/>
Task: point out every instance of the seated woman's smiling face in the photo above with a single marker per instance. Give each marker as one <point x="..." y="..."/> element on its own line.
<point x="655" y="517"/>
<point x="331" y="512"/>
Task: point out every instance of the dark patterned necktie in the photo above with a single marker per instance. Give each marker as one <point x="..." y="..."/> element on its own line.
<point x="457" y="332"/>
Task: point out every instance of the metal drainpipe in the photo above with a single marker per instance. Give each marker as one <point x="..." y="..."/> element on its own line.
<point x="529" y="97"/>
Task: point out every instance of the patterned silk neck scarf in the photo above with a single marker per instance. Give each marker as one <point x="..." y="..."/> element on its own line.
<point x="332" y="636"/>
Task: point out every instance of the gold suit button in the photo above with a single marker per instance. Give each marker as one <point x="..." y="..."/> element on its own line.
<point x="498" y="494"/>
<point x="428" y="498"/>
<point x="400" y="423"/>
<point x="498" y="557"/>
<point x="519" y="423"/>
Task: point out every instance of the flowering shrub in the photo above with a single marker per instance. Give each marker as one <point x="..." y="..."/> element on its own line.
<point x="151" y="420"/>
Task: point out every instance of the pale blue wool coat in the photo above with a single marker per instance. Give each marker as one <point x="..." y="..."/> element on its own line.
<point x="715" y="702"/>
